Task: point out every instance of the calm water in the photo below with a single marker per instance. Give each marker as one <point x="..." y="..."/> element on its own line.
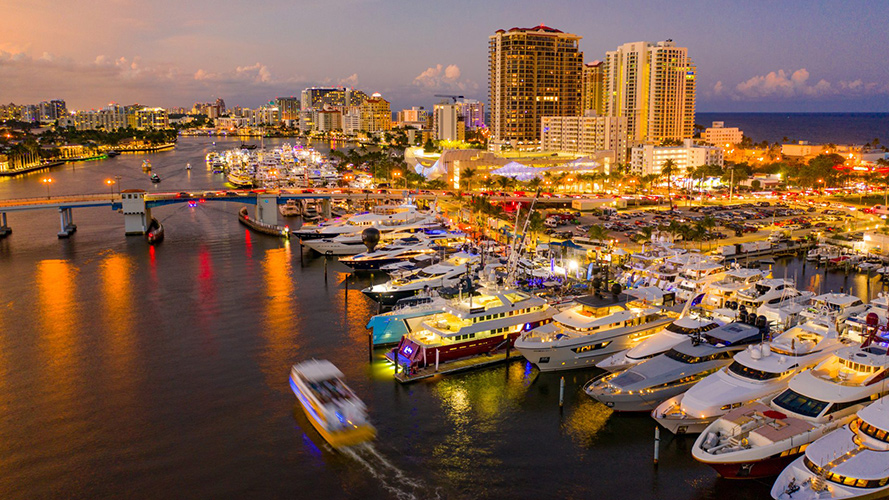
<point x="817" y="128"/>
<point x="143" y="372"/>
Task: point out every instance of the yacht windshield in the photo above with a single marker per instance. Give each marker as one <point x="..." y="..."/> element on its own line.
<point x="673" y="327"/>
<point x="747" y="372"/>
<point x="795" y="402"/>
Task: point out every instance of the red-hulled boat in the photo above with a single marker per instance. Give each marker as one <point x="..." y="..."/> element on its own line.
<point x="155" y="232"/>
<point x="472" y="325"/>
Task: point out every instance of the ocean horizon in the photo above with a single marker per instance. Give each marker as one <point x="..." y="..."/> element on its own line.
<point x="816" y="128"/>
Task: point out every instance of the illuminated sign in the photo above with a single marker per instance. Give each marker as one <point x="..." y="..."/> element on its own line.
<point x="407" y="350"/>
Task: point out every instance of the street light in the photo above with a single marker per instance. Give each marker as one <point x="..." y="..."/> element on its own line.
<point x="47" y="181"/>
<point x="110" y="184"/>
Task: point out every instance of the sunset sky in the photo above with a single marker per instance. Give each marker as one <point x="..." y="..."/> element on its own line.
<point x="751" y="55"/>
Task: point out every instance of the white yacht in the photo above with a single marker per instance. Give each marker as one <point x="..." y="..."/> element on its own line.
<point x="383" y="217"/>
<point x="443" y="274"/>
<point x="734" y="282"/>
<point x="353" y="243"/>
<point x="759" y="371"/>
<point x="646" y="385"/>
<point x="291" y="208"/>
<point x="400" y="250"/>
<point x="849" y="463"/>
<point x="693" y="321"/>
<point x="876" y="315"/>
<point x="761" y="438"/>
<point x="697" y="273"/>
<point x="835" y="307"/>
<point x="407" y="314"/>
<point x="596" y="327"/>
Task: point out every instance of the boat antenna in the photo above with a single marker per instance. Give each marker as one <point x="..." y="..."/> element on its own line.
<point x="519" y="244"/>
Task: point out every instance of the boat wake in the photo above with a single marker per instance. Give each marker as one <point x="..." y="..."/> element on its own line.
<point x="395" y="480"/>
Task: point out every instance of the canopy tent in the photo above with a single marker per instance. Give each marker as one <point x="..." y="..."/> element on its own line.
<point x="518" y="171"/>
<point x="582" y="164"/>
<point x="431" y="173"/>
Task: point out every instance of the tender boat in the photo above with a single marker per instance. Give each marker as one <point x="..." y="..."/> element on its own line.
<point x="155" y="233"/>
<point x="759" y="371"/>
<point x="330" y="405"/>
<point x="761" y="438"/>
<point x="155" y="178"/>
<point x="471" y="325"/>
<point x="644" y="386"/>
<point x="595" y="327"/>
<point x="188" y="166"/>
<point x="849" y="463"/>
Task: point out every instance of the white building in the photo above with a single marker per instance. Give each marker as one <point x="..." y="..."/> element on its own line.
<point x="586" y="135"/>
<point x="352" y="120"/>
<point x="328" y="120"/>
<point x="720" y="135"/>
<point x="444" y="122"/>
<point x="648" y="159"/>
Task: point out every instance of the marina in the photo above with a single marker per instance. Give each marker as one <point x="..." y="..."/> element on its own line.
<point x="253" y="305"/>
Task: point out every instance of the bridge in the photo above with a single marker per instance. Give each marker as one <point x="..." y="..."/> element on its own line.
<point x="136" y="204"/>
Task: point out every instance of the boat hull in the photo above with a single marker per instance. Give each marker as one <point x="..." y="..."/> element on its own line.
<point x="337" y="439"/>
<point x="389" y="297"/>
<point x="685" y="425"/>
<point x="452" y="352"/>
<point x="751" y="470"/>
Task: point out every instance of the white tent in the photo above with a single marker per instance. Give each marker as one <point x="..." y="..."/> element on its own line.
<point x="518" y="171"/>
<point x="431" y="173"/>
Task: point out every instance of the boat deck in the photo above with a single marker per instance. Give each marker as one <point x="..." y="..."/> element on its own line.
<point x="457" y="366"/>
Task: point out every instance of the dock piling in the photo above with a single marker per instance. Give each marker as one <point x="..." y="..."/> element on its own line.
<point x="561" y="392"/>
<point x="657" y="443"/>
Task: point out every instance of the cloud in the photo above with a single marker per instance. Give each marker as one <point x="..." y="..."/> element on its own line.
<point x="349" y="81"/>
<point x="258" y="72"/>
<point x="441" y="77"/>
<point x="787" y="85"/>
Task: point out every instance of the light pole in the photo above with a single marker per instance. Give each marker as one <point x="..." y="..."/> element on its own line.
<point x="110" y="187"/>
<point x="117" y="178"/>
<point x="47" y="181"/>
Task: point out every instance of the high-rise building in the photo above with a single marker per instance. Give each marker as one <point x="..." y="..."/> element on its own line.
<point x="473" y="113"/>
<point x="376" y="115"/>
<point x="220" y="106"/>
<point x="653" y="86"/>
<point x="289" y="107"/>
<point x="532" y="73"/>
<point x="337" y="97"/>
<point x="444" y="122"/>
<point x="413" y="115"/>
<point x="591" y="93"/>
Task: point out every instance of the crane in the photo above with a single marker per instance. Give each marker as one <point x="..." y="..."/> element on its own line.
<point x="454" y="97"/>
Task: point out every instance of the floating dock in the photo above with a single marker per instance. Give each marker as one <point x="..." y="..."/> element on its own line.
<point x="458" y="366"/>
<point x="780" y="250"/>
<point x="272" y="230"/>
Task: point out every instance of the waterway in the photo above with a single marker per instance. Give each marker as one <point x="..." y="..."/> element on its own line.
<point x="146" y="372"/>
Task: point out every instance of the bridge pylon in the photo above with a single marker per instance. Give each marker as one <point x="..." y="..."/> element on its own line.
<point x="136" y="216"/>
<point x="267" y="208"/>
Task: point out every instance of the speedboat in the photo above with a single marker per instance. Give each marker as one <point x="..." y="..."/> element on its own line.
<point x="761" y="438"/>
<point x="595" y="327"/>
<point x="444" y="274"/>
<point x="692" y="322"/>
<point x="644" y="386"/>
<point x="849" y="463"/>
<point x="290" y="208"/>
<point x="384" y="218"/>
<point x="471" y="325"/>
<point x="330" y="405"/>
<point x="759" y="371"/>
<point x="876" y="315"/>
<point x="188" y="166"/>
<point x="155" y="178"/>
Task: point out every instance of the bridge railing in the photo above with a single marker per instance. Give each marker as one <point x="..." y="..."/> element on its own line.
<point x="49" y="199"/>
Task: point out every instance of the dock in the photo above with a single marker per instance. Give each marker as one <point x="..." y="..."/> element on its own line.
<point x="780" y="250"/>
<point x="260" y="227"/>
<point x="459" y="365"/>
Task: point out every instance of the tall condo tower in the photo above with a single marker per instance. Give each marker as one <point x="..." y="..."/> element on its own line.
<point x="653" y="86"/>
<point x="532" y="73"/>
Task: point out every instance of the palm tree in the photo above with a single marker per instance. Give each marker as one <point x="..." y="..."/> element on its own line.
<point x="534" y="184"/>
<point x="668" y="169"/>
<point x="598" y="233"/>
<point x="467" y="174"/>
<point x="503" y="182"/>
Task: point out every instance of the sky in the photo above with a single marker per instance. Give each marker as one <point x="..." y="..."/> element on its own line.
<point x="752" y="55"/>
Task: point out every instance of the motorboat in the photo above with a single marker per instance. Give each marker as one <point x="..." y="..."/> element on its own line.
<point x="291" y="208"/>
<point x="876" y="315"/>
<point x="733" y="282"/>
<point x="471" y="325"/>
<point x="155" y="233"/>
<point x="443" y="274"/>
<point x="761" y="438"/>
<point x="383" y="217"/>
<point x="695" y="275"/>
<point x="353" y="243"/>
<point x="835" y="307"/>
<point x="329" y="404"/>
<point x="597" y="326"/>
<point x="155" y="178"/>
<point x="693" y="321"/>
<point x="188" y="166"/>
<point x="775" y="298"/>
<point x="759" y="371"/>
<point x="849" y="463"/>
<point x="408" y="313"/>
<point x="398" y="251"/>
<point x="644" y="386"/>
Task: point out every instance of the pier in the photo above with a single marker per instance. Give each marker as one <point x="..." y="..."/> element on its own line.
<point x="458" y="365"/>
<point x="787" y="249"/>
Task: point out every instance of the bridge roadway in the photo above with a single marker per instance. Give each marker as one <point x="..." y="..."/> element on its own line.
<point x="66" y="203"/>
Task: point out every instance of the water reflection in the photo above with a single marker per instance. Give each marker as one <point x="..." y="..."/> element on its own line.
<point x="585" y="419"/>
<point x="117" y="291"/>
<point x="57" y="306"/>
<point x="280" y="312"/>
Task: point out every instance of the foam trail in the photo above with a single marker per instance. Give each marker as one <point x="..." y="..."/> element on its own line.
<point x="392" y="478"/>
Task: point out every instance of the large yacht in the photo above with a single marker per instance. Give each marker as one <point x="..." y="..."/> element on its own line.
<point x="834" y="306"/>
<point x="693" y="321"/>
<point x="400" y="250"/>
<point x="387" y="328"/>
<point x="734" y="282"/>
<point x="851" y="462"/>
<point x="876" y="315"/>
<point x="353" y="243"/>
<point x="443" y="274"/>
<point x="472" y="325"/>
<point x="646" y="385"/>
<point x="695" y="275"/>
<point x="596" y="327"/>
<point x="759" y="371"/>
<point x="383" y="217"/>
<point x="761" y="438"/>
